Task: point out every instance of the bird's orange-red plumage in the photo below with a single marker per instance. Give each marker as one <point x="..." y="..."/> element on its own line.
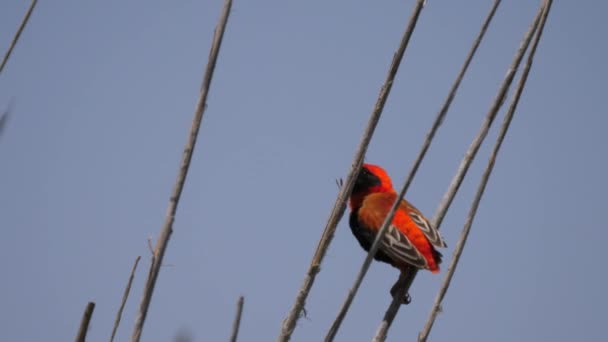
<point x="410" y="240"/>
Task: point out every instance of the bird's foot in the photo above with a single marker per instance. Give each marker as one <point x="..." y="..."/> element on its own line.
<point x="406" y="299"/>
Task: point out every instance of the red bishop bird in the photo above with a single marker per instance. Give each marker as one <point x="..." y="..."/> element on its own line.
<point x="410" y="240"/>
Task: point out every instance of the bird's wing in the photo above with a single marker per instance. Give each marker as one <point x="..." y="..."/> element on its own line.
<point x="399" y="247"/>
<point x="395" y="244"/>
<point x="431" y="233"/>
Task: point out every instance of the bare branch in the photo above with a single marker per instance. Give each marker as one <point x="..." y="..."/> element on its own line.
<point x="125" y="296"/>
<point x="150" y="246"/>
<point x="5" y="115"/>
<point x="84" y="324"/>
<point x="3" y="120"/>
<point x="289" y="322"/>
<point x="405" y="280"/>
<point x="448" y="101"/>
<point x="423" y="336"/>
<point x="167" y="229"/>
<point x="429" y="137"/>
<point x="237" y="319"/>
<point x="333" y="330"/>
<point x="24" y="22"/>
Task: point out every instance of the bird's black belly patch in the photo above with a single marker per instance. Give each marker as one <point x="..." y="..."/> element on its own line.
<point x="366" y="238"/>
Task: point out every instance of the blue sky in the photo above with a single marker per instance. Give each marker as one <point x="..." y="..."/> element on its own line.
<point x="104" y="94"/>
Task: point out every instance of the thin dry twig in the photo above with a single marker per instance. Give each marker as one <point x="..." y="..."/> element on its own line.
<point x="84" y="323"/>
<point x="5" y="115"/>
<point x="237" y="319"/>
<point x="406" y="278"/>
<point x="423" y="336"/>
<point x="150" y="246"/>
<point x="125" y="296"/>
<point x="24" y="22"/>
<point x="167" y="229"/>
<point x="3" y="120"/>
<point x="337" y="212"/>
<point x="429" y="137"/>
<point x="448" y="101"/>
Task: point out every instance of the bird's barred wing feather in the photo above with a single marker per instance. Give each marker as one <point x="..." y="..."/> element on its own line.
<point x="408" y="237"/>
<point x="399" y="247"/>
<point x="431" y="233"/>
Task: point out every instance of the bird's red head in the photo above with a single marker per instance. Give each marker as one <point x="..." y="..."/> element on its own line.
<point x="372" y="178"/>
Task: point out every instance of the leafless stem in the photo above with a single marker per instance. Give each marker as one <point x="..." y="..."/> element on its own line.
<point x="183" y="172"/>
<point x="150" y="246"/>
<point x="84" y="324"/>
<point x="448" y="101"/>
<point x="237" y="319"/>
<point x="24" y="22"/>
<point x="292" y="317"/>
<point x="423" y="336"/>
<point x="405" y="280"/>
<point x="124" y="299"/>
<point x="429" y="137"/>
<point x="4" y="116"/>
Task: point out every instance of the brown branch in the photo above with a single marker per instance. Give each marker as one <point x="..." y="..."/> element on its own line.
<point x="424" y="334"/>
<point x="237" y="319"/>
<point x="448" y="101"/>
<point x="124" y="299"/>
<point x="84" y="324"/>
<point x="406" y="278"/>
<point x="430" y="135"/>
<point x="167" y="229"/>
<point x="292" y="317"/>
<point x="24" y="22"/>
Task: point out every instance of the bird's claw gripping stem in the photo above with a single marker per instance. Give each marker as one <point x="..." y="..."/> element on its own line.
<point x="405" y="300"/>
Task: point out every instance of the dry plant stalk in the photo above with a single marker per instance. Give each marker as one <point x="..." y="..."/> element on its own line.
<point x="167" y="229"/>
<point x="237" y="319"/>
<point x="125" y="296"/>
<point x="429" y="137"/>
<point x="337" y="212"/>
<point x="406" y="279"/>
<point x="423" y="336"/>
<point x="84" y="323"/>
<point x="448" y="101"/>
<point x="4" y="116"/>
<point x="24" y="22"/>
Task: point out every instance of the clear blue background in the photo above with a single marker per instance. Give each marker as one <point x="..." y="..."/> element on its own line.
<point x="104" y="95"/>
